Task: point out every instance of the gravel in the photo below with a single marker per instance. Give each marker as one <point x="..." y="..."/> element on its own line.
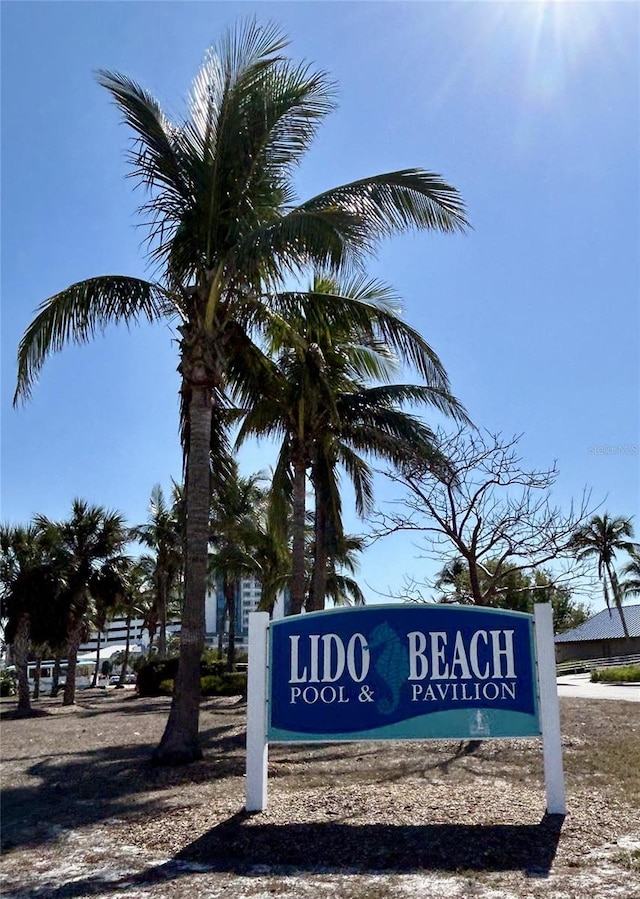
<point x="85" y="815"/>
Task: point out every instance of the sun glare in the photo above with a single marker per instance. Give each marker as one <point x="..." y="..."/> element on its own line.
<point x="540" y="45"/>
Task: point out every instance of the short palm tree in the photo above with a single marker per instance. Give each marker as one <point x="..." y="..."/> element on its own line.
<point x="630" y="586"/>
<point x="29" y="592"/>
<point x="224" y="228"/>
<point x="162" y="534"/>
<point x="131" y="604"/>
<point x="79" y="547"/>
<point x="106" y="586"/>
<point x="341" y="587"/>
<point x="600" y="539"/>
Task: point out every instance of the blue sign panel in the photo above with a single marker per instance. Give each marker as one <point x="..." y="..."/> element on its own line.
<point x="402" y="672"/>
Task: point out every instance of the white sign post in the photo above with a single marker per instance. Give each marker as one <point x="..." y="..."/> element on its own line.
<point x="257" y="745"/>
<point x="549" y="710"/>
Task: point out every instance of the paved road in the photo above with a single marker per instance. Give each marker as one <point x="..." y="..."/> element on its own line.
<point x="580" y="685"/>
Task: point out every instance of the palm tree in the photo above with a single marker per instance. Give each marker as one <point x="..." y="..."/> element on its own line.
<point x="107" y="589"/>
<point x="28" y="594"/>
<point x="224" y="228"/>
<point x="163" y="535"/>
<point x="601" y="538"/>
<point x="317" y="400"/>
<point x="130" y="604"/>
<point x="235" y="533"/>
<point x="453" y="582"/>
<point x="79" y="548"/>
<point x="630" y="586"/>
<point x="271" y="554"/>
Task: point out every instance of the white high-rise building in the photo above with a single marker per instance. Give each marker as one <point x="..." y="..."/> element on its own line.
<point x="247" y="600"/>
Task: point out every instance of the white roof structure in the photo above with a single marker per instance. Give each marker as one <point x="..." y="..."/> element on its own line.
<point x="110" y="650"/>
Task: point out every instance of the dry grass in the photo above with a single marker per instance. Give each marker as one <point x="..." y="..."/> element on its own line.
<point x="85" y="815"/>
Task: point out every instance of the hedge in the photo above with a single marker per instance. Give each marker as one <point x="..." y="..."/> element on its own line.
<point x="226" y="684"/>
<point x="629" y="674"/>
<point x="155" y="678"/>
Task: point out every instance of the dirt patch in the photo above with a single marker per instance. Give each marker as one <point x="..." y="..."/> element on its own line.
<point x="85" y="815"/>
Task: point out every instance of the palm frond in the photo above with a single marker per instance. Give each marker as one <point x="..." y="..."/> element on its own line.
<point x="388" y="395"/>
<point x="75" y="314"/>
<point x="156" y="161"/>
<point x="398" y="201"/>
<point x="360" y="476"/>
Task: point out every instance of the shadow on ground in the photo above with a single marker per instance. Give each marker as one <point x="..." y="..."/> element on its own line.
<point x="76" y="791"/>
<point x="243" y="847"/>
<point x="241" y="843"/>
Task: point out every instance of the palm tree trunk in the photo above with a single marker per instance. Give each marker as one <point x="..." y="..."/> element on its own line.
<point x="151" y="625"/>
<point x="180" y="742"/>
<point x="21" y="658"/>
<point x="617" y="598"/>
<point x="36" y="675"/>
<point x="298" y="529"/>
<point x="75" y="639"/>
<point x="125" y="660"/>
<point x="162" y="615"/>
<point x="319" y="581"/>
<point x="230" y="601"/>
<point x="96" y="671"/>
<point x="474" y="581"/>
<point x="221" y="623"/>
<point x="55" y="680"/>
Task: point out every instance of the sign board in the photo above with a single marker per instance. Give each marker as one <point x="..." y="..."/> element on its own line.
<point x="393" y="672"/>
<point x="402" y="672"/>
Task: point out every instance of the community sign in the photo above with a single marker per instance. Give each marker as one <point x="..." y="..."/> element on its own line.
<point x="402" y="672"/>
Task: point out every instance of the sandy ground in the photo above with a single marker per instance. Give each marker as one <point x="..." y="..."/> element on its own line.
<point x="85" y="815"/>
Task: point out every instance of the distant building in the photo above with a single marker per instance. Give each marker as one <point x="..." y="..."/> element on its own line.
<point x="601" y="637"/>
<point x="247" y="599"/>
<point x="248" y="593"/>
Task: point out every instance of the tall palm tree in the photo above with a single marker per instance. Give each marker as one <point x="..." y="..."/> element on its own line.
<point x="600" y="539"/>
<point x="163" y="535"/>
<point x="318" y="400"/>
<point x="79" y="548"/>
<point x="235" y="531"/>
<point x="224" y="228"/>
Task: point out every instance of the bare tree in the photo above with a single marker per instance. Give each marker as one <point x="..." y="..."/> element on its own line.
<point x="486" y="509"/>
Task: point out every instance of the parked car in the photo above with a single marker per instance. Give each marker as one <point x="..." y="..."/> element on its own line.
<point x="128" y="679"/>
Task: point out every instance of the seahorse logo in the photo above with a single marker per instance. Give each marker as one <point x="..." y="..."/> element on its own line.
<point x="391" y="664"/>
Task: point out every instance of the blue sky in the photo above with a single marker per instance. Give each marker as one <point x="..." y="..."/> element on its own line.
<point x="531" y="110"/>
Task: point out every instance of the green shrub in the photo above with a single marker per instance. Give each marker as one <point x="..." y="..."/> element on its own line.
<point x="210" y="685"/>
<point x="153" y="673"/>
<point x="165" y="688"/>
<point x="226" y="684"/>
<point x="629" y="674"/>
<point x="7" y="683"/>
<point x="234" y="683"/>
